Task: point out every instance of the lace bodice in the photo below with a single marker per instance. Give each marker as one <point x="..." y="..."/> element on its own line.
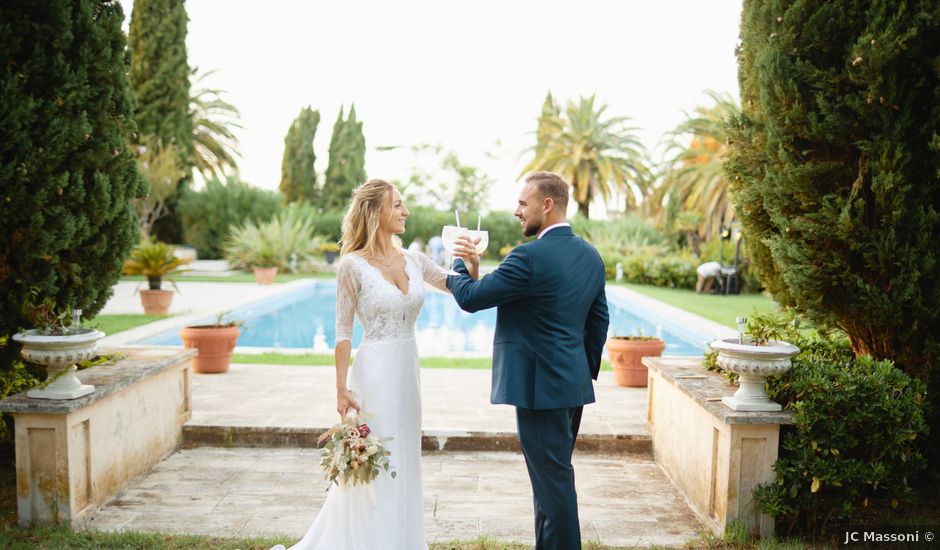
<point x="384" y="311"/>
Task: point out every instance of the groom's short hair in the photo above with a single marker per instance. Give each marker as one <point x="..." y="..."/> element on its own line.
<point x="550" y="184"/>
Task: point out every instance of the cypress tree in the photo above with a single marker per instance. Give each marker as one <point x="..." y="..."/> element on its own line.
<point x="346" y="167"/>
<point x="298" y="176"/>
<point x="159" y="76"/>
<point x="357" y="160"/>
<point x="548" y="120"/>
<point x="835" y="167"/>
<point x="68" y="175"/>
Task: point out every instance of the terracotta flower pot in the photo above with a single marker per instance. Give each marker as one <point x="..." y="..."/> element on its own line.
<point x="156" y="301"/>
<point x="265" y="275"/>
<point x="625" y="353"/>
<point x="215" y="345"/>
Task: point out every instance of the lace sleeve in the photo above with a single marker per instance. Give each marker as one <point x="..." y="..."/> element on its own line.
<point x="432" y="273"/>
<point x="347" y="294"/>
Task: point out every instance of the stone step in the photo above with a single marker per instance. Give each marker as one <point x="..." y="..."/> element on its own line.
<point x="432" y="440"/>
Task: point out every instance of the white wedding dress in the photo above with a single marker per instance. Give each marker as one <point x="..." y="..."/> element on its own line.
<point x="389" y="514"/>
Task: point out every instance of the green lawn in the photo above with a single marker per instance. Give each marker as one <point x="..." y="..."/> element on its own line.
<point x="111" y="324"/>
<point x="719" y="308"/>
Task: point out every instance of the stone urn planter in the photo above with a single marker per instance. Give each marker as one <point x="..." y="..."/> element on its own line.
<point x="265" y="275"/>
<point x="59" y="355"/>
<point x="753" y="364"/>
<point x="625" y="354"/>
<point x="156" y="301"/>
<point x="215" y="344"/>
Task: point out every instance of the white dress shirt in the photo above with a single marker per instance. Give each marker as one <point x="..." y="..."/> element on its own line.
<point x="549" y="228"/>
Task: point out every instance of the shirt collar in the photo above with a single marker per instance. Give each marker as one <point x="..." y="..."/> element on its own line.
<point x="549" y="228"/>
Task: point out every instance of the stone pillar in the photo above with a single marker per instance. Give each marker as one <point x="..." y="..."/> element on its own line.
<point x="72" y="455"/>
<point x="715" y="456"/>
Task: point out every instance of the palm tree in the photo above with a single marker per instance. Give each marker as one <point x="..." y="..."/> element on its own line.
<point x="596" y="155"/>
<point x="215" y="145"/>
<point x="693" y="179"/>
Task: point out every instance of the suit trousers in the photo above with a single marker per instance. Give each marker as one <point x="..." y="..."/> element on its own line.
<point x="547" y="438"/>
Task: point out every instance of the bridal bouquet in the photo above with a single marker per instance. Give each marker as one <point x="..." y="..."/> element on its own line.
<point x="352" y="455"/>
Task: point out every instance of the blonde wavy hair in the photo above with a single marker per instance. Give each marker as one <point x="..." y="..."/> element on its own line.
<point x="362" y="219"/>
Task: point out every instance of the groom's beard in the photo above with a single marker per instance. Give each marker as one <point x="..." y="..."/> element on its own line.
<point x="530" y="229"/>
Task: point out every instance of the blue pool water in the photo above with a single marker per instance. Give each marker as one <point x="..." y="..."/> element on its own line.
<point x="305" y="319"/>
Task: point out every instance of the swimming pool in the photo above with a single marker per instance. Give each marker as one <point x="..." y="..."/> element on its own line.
<point x="305" y="319"/>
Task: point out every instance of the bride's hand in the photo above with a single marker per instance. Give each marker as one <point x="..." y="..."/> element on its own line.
<point x="465" y="249"/>
<point x="344" y="402"/>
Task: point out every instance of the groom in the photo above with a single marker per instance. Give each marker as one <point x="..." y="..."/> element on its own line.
<point x="551" y="324"/>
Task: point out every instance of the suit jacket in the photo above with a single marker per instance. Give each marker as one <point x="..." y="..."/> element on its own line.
<point x="551" y="320"/>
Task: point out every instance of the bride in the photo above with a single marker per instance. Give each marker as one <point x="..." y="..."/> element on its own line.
<point x="383" y="285"/>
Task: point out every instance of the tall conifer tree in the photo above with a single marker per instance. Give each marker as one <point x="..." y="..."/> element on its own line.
<point x="835" y="168"/>
<point x="347" y="163"/>
<point x="68" y="176"/>
<point x="550" y="112"/>
<point x="298" y="176"/>
<point x="159" y="76"/>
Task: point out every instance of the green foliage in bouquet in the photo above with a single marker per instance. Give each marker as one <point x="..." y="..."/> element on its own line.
<point x="352" y="455"/>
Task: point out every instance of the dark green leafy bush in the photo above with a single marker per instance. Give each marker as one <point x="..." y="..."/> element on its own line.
<point x="653" y="265"/>
<point x="853" y="452"/>
<point x="208" y="214"/>
<point x="854" y="448"/>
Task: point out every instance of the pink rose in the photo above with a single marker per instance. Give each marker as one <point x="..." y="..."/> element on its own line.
<point x="364" y="430"/>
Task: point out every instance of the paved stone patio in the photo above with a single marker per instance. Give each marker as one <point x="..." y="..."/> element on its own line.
<point x="452" y="400"/>
<point x="624" y="500"/>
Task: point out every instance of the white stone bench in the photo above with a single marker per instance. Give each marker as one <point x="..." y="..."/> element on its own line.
<point x="715" y="456"/>
<point x="74" y="455"/>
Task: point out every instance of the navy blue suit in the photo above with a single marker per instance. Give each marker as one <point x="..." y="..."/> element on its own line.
<point x="551" y="325"/>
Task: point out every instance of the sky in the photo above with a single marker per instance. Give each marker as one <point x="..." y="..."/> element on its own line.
<point x="470" y="76"/>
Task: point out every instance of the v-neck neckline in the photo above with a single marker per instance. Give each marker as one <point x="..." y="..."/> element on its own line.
<point x="392" y="283"/>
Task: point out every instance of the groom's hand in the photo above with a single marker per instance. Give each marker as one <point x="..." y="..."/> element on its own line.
<point x="465" y="248"/>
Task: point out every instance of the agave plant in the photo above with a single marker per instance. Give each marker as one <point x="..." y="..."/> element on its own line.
<point x="287" y="241"/>
<point x="155" y="261"/>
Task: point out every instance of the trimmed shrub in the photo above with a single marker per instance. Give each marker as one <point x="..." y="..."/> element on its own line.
<point x="653" y="265"/>
<point x="854" y="448"/>
<point x="67" y="176"/>
<point x="853" y="451"/>
<point x="208" y="214"/>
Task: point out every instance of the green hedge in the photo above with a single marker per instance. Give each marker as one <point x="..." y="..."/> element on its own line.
<point x="853" y="453"/>
<point x="853" y="450"/>
<point x="654" y="265"/>
<point x="207" y="214"/>
<point x="16" y="379"/>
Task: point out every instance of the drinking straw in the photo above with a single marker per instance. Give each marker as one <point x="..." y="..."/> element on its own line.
<point x="478" y="222"/>
<point x="457" y="215"/>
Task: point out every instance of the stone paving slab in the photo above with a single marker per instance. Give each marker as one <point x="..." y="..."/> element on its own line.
<point x="624" y="500"/>
<point x="287" y="405"/>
